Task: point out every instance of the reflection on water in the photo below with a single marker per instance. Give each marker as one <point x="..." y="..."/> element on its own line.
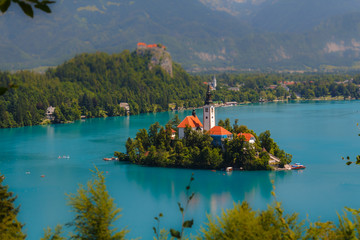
<point x="218" y="189"/>
<point x="218" y="200"/>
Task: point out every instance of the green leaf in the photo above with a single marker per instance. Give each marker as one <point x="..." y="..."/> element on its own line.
<point x="47" y="2"/>
<point x="180" y="208"/>
<point x="43" y="7"/>
<point x="4" y="5"/>
<point x="188" y="224"/>
<point x="175" y="234"/>
<point x="358" y="160"/>
<point x="3" y="90"/>
<point x="348" y="163"/>
<point x="160" y="215"/>
<point x="191" y="196"/>
<point x="27" y="9"/>
<point x="154" y="230"/>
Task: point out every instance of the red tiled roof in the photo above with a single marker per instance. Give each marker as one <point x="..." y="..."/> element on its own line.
<point x="173" y="131"/>
<point x="150" y="45"/>
<point x="289" y="83"/>
<point x="190" y="121"/>
<point x="217" y="130"/>
<point x="247" y="136"/>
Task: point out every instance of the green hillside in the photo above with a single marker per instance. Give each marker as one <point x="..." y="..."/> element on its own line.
<point x="94" y="85"/>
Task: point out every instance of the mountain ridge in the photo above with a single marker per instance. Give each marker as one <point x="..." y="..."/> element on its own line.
<point x="198" y="36"/>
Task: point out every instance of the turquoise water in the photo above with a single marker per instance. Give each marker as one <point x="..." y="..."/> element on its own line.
<point x="316" y="133"/>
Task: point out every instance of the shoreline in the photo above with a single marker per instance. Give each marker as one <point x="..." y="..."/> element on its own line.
<point x="45" y="123"/>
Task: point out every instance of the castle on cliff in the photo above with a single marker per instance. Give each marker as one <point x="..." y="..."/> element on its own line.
<point x="159" y="56"/>
<point x="142" y="45"/>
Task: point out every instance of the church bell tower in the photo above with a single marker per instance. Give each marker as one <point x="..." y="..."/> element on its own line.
<point x="209" y="112"/>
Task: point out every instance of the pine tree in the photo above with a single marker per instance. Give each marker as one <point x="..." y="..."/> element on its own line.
<point x="53" y="235"/>
<point x="10" y="227"/>
<point x="95" y="211"/>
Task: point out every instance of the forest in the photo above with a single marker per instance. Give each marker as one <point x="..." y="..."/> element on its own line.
<point x="93" y="85"/>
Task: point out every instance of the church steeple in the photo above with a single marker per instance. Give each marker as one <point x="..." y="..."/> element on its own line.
<point x="209" y="112"/>
<point x="208" y="100"/>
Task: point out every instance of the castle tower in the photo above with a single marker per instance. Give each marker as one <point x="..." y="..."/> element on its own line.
<point x="209" y="112"/>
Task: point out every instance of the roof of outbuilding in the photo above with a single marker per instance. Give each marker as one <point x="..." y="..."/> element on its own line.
<point x="247" y="136"/>
<point x="220" y="131"/>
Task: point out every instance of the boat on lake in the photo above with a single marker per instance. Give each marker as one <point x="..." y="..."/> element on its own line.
<point x="297" y="166"/>
<point x="110" y="159"/>
<point x="229" y="169"/>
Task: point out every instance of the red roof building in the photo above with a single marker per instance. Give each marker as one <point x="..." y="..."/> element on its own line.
<point x="190" y="121"/>
<point x="173" y="134"/>
<point x="152" y="45"/>
<point x="248" y="137"/>
<point x="219" y="131"/>
<point x="141" y="44"/>
<point x="218" y="134"/>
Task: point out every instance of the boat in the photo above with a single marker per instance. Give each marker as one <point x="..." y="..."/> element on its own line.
<point x="297" y="166"/>
<point x="110" y="159"/>
<point x="229" y="169"/>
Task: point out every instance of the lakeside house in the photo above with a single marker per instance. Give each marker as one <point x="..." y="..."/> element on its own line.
<point x="126" y="106"/>
<point x="50" y="113"/>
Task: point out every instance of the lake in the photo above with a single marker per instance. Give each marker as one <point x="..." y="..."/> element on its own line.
<point x="317" y="134"/>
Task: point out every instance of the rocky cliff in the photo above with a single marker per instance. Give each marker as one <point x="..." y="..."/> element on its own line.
<point x="159" y="56"/>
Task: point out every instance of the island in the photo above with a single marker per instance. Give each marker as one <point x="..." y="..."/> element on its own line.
<point x="193" y="144"/>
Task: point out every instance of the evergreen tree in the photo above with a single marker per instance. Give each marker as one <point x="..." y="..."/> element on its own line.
<point x="95" y="211"/>
<point x="53" y="235"/>
<point x="10" y="227"/>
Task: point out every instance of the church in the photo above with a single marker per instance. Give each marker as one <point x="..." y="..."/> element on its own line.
<point x="216" y="132"/>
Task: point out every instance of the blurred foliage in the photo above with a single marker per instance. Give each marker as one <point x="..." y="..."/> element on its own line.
<point x="27" y="6"/>
<point x="10" y="227"/>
